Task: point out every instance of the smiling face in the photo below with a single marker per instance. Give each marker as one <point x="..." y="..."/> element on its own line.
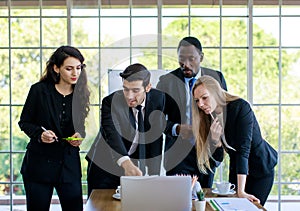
<point x="69" y="71"/>
<point x="204" y="99"/>
<point x="135" y="92"/>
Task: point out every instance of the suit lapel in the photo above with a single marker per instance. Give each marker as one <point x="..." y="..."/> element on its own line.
<point x="181" y="99"/>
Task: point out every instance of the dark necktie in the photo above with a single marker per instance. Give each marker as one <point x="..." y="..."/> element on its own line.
<point x="142" y="149"/>
<point x="191" y="83"/>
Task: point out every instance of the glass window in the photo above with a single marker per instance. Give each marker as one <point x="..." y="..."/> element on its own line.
<point x="22" y="34"/>
<point x="4" y="76"/>
<point x="232" y="10"/>
<point x="54" y="32"/>
<point x="290" y="38"/>
<point x="265" y="76"/>
<point x="115" y="30"/>
<point x="290" y="132"/>
<point x="290" y="76"/>
<point x="200" y="10"/>
<point x="24" y="9"/>
<point x="234" y="32"/>
<point x="289" y="9"/>
<point x="113" y="34"/>
<point x="25" y="72"/>
<point x="234" y="69"/>
<point x="85" y="8"/>
<point x="202" y="26"/>
<point x="85" y="32"/>
<point x="4" y="36"/>
<point x="265" y="10"/>
<point x="265" y="31"/>
<point x="5" y="131"/>
<point x="139" y="29"/>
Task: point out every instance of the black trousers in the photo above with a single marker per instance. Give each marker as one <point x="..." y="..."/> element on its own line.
<point x="38" y="195"/>
<point x="98" y="178"/>
<point x="189" y="167"/>
<point x="260" y="187"/>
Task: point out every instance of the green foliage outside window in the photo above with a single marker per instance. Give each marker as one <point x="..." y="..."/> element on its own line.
<point x="26" y="69"/>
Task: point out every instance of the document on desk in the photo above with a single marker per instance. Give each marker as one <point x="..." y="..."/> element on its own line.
<point x="228" y="203"/>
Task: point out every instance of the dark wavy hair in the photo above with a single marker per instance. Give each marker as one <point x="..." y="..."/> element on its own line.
<point x="81" y="96"/>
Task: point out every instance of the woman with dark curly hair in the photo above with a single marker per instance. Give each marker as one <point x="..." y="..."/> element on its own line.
<point x="53" y="117"/>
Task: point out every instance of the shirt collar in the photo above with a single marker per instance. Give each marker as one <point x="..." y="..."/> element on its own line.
<point x="196" y="76"/>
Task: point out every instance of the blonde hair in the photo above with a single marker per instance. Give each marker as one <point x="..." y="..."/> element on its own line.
<point x="202" y="121"/>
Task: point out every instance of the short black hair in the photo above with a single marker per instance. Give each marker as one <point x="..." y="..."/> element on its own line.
<point x="136" y="72"/>
<point x="187" y="41"/>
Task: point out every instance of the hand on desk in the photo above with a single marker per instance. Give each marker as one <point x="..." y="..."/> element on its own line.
<point x="130" y="169"/>
<point x="242" y="194"/>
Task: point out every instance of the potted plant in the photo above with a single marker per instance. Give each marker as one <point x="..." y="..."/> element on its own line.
<point x="200" y="203"/>
<point x="201" y="195"/>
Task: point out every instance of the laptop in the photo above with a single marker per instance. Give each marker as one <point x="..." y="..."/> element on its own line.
<point x="156" y="193"/>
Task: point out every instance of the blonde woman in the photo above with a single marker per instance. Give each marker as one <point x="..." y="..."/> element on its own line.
<point x="222" y="119"/>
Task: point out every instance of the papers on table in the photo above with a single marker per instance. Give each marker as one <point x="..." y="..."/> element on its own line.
<point x="228" y="203"/>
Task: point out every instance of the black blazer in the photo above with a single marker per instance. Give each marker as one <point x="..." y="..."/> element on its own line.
<point x="58" y="161"/>
<point x="117" y="132"/>
<point x="253" y="156"/>
<point x="173" y="84"/>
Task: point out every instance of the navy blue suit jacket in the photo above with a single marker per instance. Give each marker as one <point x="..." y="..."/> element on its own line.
<point x="254" y="156"/>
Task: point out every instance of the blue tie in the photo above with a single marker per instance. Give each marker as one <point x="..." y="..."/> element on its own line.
<point x="191" y="83"/>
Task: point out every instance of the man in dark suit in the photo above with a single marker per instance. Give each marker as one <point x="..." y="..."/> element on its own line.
<point x="180" y="152"/>
<point x="117" y="149"/>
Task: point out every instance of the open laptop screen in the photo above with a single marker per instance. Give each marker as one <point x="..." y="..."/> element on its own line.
<point x="156" y="193"/>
